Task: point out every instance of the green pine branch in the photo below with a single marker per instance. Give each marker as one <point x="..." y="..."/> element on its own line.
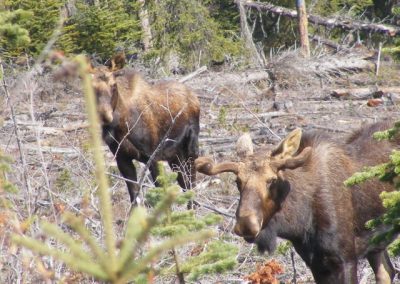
<point x="387" y="172"/>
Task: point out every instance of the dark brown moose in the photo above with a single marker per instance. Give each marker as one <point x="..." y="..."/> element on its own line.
<point x="141" y="121"/>
<point x="296" y="192"/>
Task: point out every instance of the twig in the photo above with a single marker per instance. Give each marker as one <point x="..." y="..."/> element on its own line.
<point x="21" y="153"/>
<point x="39" y="149"/>
<point x="213" y="209"/>
<point x="293" y="265"/>
<point x="378" y="63"/>
<point x="256" y="117"/>
<point x="129" y="128"/>
<point x="155" y="152"/>
<point x="181" y="279"/>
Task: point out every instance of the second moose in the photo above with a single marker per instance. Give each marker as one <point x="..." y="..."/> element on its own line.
<point x="147" y="123"/>
<point x="296" y="192"/>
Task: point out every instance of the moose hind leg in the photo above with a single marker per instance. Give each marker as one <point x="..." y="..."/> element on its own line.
<point x="382" y="267"/>
<point x="128" y="171"/>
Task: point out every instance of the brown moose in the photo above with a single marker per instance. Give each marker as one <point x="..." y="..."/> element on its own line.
<point x="142" y="121"/>
<point x="296" y="192"/>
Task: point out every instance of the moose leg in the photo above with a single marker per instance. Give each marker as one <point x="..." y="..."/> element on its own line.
<point x="128" y="171"/>
<point x="154" y="172"/>
<point x="382" y="267"/>
<point x="344" y="273"/>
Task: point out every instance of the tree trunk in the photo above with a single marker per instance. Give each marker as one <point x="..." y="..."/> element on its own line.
<point x="246" y="35"/>
<point x="70" y="8"/>
<point x="145" y="23"/>
<point x="303" y="28"/>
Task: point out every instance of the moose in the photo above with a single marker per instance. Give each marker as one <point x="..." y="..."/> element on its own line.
<point x="147" y="123"/>
<point x="296" y="192"/>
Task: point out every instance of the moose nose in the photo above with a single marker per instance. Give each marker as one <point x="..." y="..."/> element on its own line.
<point x="247" y="227"/>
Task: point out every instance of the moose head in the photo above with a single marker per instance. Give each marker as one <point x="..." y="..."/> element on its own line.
<point x="260" y="182"/>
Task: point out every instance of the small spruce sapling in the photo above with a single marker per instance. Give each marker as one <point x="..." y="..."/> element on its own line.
<point x="216" y="256"/>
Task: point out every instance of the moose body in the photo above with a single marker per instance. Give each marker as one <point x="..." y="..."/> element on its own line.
<point x="296" y="192"/>
<point x="147" y="123"/>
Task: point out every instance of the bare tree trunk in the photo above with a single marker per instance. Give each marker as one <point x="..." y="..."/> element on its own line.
<point x="145" y="23"/>
<point x="246" y="35"/>
<point x="303" y="28"/>
<point x="70" y="8"/>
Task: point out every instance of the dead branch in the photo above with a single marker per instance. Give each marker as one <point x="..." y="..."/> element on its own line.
<point x="330" y="43"/>
<point x="213" y="209"/>
<point x="52" y="150"/>
<point x="159" y="146"/>
<point x="247" y="36"/>
<point x="193" y="74"/>
<point x="17" y="135"/>
<point x="338" y="22"/>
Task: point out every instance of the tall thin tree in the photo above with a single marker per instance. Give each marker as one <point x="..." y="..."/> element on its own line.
<point x="303" y="27"/>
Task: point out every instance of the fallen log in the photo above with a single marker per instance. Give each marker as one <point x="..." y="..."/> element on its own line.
<point x="364" y="93"/>
<point x="230" y="79"/>
<point x="338" y="22"/>
<point x="330" y="43"/>
<point x="193" y="74"/>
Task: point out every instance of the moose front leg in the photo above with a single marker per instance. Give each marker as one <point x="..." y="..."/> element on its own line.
<point x="128" y="171"/>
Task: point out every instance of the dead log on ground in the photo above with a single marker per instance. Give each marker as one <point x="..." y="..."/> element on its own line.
<point x="193" y="74"/>
<point x="364" y="93"/>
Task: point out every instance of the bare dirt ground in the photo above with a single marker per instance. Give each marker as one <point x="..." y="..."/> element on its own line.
<point x="56" y="173"/>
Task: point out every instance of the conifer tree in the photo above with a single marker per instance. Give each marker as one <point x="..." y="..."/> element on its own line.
<point x="216" y="256"/>
<point x="100" y="29"/>
<point x="45" y="15"/>
<point x="13" y="37"/>
<point x="185" y="31"/>
<point x="387" y="172"/>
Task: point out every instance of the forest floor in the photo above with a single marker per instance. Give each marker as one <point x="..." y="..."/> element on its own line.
<point x="51" y="123"/>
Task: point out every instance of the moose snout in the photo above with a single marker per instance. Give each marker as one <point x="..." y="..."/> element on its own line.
<point x="105" y="113"/>
<point x="247" y="227"/>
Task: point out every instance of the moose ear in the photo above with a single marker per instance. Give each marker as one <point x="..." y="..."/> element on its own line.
<point x="118" y="61"/>
<point x="289" y="146"/>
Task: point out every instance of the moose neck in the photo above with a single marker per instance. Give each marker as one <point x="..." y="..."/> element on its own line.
<point x="295" y="218"/>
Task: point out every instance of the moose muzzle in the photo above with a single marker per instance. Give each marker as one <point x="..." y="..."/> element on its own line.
<point x="248" y="227"/>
